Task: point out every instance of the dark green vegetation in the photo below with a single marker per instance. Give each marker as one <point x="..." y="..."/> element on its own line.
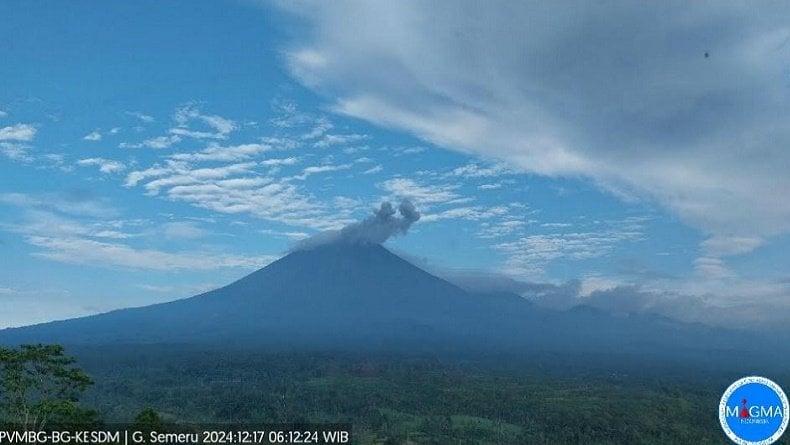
<point x="408" y="399"/>
<point x="41" y="386"/>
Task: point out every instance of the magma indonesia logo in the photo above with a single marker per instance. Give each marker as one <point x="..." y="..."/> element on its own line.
<point x="754" y="411"/>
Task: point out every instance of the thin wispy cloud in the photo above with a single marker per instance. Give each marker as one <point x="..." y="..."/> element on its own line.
<point x="373" y="170"/>
<point x="16" y="152"/>
<point x="274" y="162"/>
<point x="222" y="153"/>
<point x="158" y="142"/>
<point x="528" y="255"/>
<point x="104" y="165"/>
<point x="106" y="254"/>
<point x="467" y="213"/>
<point x="420" y="193"/>
<point x="329" y="140"/>
<point x="142" y="117"/>
<point x="315" y="169"/>
<point x="190" y="113"/>
<point x="81" y="235"/>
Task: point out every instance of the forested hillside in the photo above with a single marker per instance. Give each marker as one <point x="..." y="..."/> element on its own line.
<point x="398" y="399"/>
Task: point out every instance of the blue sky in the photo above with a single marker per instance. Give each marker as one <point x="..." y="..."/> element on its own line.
<point x="152" y="150"/>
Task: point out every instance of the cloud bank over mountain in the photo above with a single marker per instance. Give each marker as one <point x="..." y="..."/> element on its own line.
<point x="680" y="104"/>
<point x="628" y="299"/>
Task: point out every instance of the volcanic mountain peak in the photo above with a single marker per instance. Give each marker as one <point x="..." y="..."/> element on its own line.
<point x="339" y="271"/>
<point x="315" y="292"/>
<point x="357" y="295"/>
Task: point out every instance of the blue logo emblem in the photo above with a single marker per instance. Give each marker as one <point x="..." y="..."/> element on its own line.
<point x="754" y="411"/>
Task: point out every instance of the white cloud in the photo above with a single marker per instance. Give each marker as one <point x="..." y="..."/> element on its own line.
<point x="556" y="225"/>
<point x="278" y="162"/>
<point x="179" y="173"/>
<point x="294" y="236"/>
<point x="274" y="201"/>
<point x="554" y="89"/>
<point x="105" y="165"/>
<point x="321" y="126"/>
<point x="76" y="202"/>
<point x="711" y="268"/>
<point x="16" y="152"/>
<point x="104" y="254"/>
<point x="730" y="245"/>
<point x="3" y="114"/>
<point x="346" y="203"/>
<point x="158" y="142"/>
<point x="467" y="213"/>
<point x="190" y="112"/>
<point x="156" y="288"/>
<point x="55" y="160"/>
<point x="18" y="132"/>
<point x="219" y="128"/>
<point x="219" y="153"/>
<point x="111" y="234"/>
<point x="94" y="240"/>
<point x="182" y="230"/>
<point x="309" y="171"/>
<point x="93" y="136"/>
<point x="502" y="228"/>
<point x="529" y="254"/>
<point x="476" y="171"/>
<point x="194" y="134"/>
<point x="375" y="169"/>
<point x="402" y="151"/>
<point x="220" y="124"/>
<point x="178" y="290"/>
<point x="235" y="189"/>
<point x="144" y="118"/>
<point x="597" y="284"/>
<point x="282" y="143"/>
<point x="329" y="140"/>
<point x="495" y="186"/>
<point x="289" y="117"/>
<point x="420" y="194"/>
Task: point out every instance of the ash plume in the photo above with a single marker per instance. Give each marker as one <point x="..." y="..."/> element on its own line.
<point x="375" y="229"/>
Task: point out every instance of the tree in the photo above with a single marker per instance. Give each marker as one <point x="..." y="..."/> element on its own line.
<point x="148" y="420"/>
<point x="41" y="386"/>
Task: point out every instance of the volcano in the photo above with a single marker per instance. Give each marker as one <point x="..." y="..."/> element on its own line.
<point x="345" y="295"/>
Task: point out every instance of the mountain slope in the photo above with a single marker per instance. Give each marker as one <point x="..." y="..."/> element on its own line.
<point x="338" y="290"/>
<point x="356" y="296"/>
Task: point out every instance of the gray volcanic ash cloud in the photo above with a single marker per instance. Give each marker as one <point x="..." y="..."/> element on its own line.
<point x="382" y="224"/>
<point x="375" y="229"/>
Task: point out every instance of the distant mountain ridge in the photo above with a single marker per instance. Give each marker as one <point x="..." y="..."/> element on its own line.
<point x="361" y="296"/>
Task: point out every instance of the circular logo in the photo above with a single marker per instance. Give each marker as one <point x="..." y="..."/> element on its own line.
<point x="754" y="411"/>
